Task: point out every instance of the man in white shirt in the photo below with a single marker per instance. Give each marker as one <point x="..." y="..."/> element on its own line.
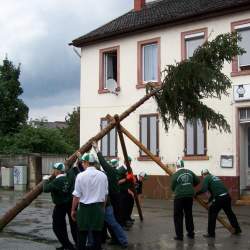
<point x="91" y="190"/>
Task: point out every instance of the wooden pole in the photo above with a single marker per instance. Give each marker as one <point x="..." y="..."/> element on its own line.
<point x="34" y="193"/>
<point x="168" y="171"/>
<point x="130" y="171"/>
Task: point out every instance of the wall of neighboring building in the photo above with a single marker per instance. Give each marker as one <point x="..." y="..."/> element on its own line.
<point x="94" y="105"/>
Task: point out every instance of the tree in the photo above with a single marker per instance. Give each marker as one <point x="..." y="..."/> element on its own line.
<point x="35" y="140"/>
<point x="188" y="83"/>
<point x="72" y="131"/>
<point x="13" y="111"/>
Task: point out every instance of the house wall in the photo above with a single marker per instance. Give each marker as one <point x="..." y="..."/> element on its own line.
<point x="94" y="105"/>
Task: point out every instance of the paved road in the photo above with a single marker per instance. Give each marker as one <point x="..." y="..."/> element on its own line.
<point x="31" y="229"/>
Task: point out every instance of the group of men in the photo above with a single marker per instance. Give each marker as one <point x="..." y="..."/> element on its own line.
<point x="183" y="183"/>
<point x="98" y="200"/>
<point x="95" y="201"/>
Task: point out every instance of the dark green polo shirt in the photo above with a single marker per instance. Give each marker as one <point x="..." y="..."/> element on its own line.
<point x="111" y="173"/>
<point x="214" y="185"/>
<point x="183" y="182"/>
<point x="59" y="189"/>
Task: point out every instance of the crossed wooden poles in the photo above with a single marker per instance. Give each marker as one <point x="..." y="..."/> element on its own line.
<point x="113" y="122"/>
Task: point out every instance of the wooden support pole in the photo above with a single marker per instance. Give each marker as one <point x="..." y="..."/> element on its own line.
<point x="125" y="154"/>
<point x="168" y="171"/>
<point x="34" y="193"/>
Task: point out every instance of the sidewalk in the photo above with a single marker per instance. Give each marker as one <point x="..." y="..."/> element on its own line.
<point x="31" y="229"/>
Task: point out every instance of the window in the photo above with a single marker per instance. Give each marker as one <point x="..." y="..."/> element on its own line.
<point x="148" y="62"/>
<point x="195" y="132"/>
<point x="241" y="64"/>
<point x="191" y="40"/>
<point x="149" y="133"/>
<point x="109" y="68"/>
<point x="244" y="115"/>
<point x="195" y="138"/>
<point x="109" y="141"/>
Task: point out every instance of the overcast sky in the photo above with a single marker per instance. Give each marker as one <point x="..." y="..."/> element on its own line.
<point x="36" y="34"/>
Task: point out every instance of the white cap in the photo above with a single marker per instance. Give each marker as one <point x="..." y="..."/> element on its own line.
<point x="204" y="171"/>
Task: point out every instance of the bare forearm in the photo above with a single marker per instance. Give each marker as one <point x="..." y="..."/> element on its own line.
<point x="75" y="203"/>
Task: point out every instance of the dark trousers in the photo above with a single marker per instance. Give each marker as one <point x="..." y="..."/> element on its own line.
<point x="97" y="237"/>
<point x="115" y="200"/>
<point x="60" y="226"/>
<point x="183" y="207"/>
<point x="127" y="204"/>
<point x="223" y="202"/>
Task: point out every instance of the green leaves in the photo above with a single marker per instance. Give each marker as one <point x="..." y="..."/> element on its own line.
<point x="189" y="83"/>
<point x="13" y="112"/>
<point x="35" y="140"/>
<point x="72" y="131"/>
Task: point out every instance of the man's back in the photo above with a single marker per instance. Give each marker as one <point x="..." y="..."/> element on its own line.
<point x="91" y="186"/>
<point x="182" y="183"/>
<point x="215" y="185"/>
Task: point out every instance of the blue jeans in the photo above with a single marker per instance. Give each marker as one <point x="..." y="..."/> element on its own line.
<point x="118" y="230"/>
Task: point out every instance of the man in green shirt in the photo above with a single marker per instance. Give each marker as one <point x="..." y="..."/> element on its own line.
<point x="220" y="200"/>
<point x="59" y="188"/>
<point x="183" y="182"/>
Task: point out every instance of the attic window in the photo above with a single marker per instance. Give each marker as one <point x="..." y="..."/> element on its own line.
<point x="109" y="68"/>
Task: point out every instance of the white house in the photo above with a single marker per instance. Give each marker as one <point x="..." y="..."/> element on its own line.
<point x="132" y="50"/>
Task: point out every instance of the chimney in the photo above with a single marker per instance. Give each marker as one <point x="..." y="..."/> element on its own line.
<point x="138" y="4"/>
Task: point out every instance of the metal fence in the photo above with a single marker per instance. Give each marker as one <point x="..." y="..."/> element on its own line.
<point x="49" y="160"/>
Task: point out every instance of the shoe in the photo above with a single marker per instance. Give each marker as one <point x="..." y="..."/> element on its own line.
<point x="124" y="246"/>
<point x="190" y="236"/>
<point x="60" y="248"/>
<point x="208" y="236"/>
<point x="113" y="242"/>
<point x="178" y="238"/>
<point x="126" y="228"/>
<point x="129" y="223"/>
<point x="70" y="248"/>
<point x="237" y="231"/>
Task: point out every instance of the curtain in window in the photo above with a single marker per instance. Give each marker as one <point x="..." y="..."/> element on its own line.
<point x="189" y="138"/>
<point x="150" y="62"/>
<point x="104" y="141"/>
<point x="200" y="138"/>
<point x="112" y="135"/>
<point x="244" y="60"/>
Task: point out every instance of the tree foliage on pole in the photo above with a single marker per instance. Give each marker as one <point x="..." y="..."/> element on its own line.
<point x="188" y="83"/>
<point x="13" y="111"/>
